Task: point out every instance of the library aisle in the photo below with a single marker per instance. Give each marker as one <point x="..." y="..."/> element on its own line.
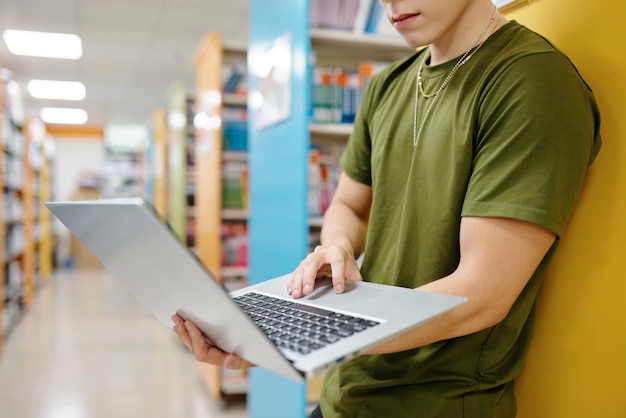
<point x="87" y="349"/>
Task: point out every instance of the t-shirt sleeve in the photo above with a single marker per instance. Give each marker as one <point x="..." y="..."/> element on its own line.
<point x="355" y="160"/>
<point x="538" y="133"/>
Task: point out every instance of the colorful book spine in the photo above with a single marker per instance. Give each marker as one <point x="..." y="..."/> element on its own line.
<point x="336" y="94"/>
<point x="234" y="78"/>
<point x="334" y="14"/>
<point x="323" y="94"/>
<point x="324" y="172"/>
<point x="315" y="185"/>
<point x="234" y="185"/>
<point x="362" y="15"/>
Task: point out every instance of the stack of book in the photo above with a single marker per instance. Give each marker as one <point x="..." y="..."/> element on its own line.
<point x="234" y="185"/>
<point x="357" y="16"/>
<point x="234" y="78"/>
<point x="234" y="245"/>
<point x="235" y="129"/>
<point x="324" y="174"/>
<point x="336" y="93"/>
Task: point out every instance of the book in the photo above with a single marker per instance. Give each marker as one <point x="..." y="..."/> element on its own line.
<point x="323" y="94"/>
<point x="366" y="71"/>
<point x="235" y="129"/>
<point x="324" y="172"/>
<point x="378" y="23"/>
<point x="234" y="185"/>
<point x="361" y="15"/>
<point x="233" y="79"/>
<point x="348" y="86"/>
<point x="374" y="17"/>
<point x="234" y="244"/>
<point x="315" y="184"/>
<point x="336" y="93"/>
<point x="333" y="14"/>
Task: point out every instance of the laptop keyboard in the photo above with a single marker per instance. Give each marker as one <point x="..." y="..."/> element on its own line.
<point x="299" y="327"/>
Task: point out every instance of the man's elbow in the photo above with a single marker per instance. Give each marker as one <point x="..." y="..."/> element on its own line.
<point x="495" y="313"/>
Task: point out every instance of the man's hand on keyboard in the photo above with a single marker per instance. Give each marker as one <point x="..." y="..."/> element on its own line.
<point x="202" y="349"/>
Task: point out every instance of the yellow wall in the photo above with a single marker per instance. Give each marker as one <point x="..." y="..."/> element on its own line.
<point x="577" y="364"/>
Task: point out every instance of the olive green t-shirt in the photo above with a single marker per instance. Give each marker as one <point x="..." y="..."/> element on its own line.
<point x="511" y="135"/>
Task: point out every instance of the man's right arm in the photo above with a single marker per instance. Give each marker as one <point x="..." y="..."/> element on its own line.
<point x="343" y="240"/>
<point x="343" y="237"/>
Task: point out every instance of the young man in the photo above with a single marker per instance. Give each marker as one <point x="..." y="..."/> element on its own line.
<point x="465" y="163"/>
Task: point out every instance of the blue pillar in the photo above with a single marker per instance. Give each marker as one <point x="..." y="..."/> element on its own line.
<point x="279" y="157"/>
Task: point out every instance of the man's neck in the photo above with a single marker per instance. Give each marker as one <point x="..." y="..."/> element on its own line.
<point x="464" y="33"/>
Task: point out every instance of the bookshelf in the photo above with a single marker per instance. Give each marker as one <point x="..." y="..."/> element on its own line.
<point x="121" y="172"/>
<point x="45" y="252"/>
<point x="214" y="216"/>
<point x="4" y="216"/>
<point x="15" y="222"/>
<point x="34" y="134"/>
<point x="177" y="159"/>
<point x="357" y="56"/>
<point x="158" y="174"/>
<point x="184" y="176"/>
<point x="280" y="223"/>
<point x="26" y="240"/>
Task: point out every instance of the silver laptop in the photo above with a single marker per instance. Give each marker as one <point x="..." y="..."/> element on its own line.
<point x="296" y="338"/>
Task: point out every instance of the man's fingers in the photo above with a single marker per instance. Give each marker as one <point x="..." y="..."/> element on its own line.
<point x="181" y="331"/>
<point x="199" y="346"/>
<point x="233" y="361"/>
<point x="203" y="349"/>
<point x="331" y="261"/>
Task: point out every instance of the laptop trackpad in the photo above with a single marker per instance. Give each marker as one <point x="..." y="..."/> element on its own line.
<point x="356" y="293"/>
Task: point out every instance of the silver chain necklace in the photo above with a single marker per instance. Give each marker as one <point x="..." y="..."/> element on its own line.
<point x="418" y="80"/>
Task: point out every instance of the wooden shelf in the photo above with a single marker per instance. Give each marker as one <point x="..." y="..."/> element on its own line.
<point x="209" y="158"/>
<point x="25" y="230"/>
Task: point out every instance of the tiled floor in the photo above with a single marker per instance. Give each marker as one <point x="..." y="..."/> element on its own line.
<point x="88" y="349"/>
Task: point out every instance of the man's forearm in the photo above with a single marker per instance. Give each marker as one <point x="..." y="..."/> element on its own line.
<point x="343" y="227"/>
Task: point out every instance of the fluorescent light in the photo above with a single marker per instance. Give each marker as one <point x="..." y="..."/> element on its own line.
<point x="64" y="116"/>
<point x="56" y="90"/>
<point x="43" y="44"/>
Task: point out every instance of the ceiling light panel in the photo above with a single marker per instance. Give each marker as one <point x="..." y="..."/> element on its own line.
<point x="56" y="90"/>
<point x="43" y="44"/>
<point x="64" y="116"/>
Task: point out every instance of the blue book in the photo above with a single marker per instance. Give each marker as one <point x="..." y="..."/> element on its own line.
<point x="375" y="16"/>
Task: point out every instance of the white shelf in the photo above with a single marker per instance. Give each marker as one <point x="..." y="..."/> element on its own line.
<point x="229" y="271"/>
<point x="331" y="129"/>
<point x="235" y="48"/>
<point x="234" y="99"/>
<point x="350" y="46"/>
<point x="235" y="156"/>
<point x="316" y="222"/>
<point x="347" y="39"/>
<point x="235" y="214"/>
<point x="234" y="385"/>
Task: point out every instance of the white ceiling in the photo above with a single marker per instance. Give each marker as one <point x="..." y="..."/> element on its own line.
<point x="133" y="50"/>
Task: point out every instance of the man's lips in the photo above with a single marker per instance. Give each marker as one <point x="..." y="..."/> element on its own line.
<point x="401" y="20"/>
